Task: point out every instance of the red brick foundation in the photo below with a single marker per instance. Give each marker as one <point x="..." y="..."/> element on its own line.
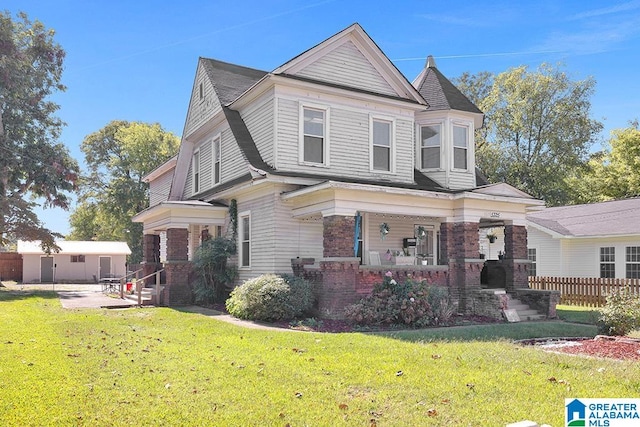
<point x="178" y="290"/>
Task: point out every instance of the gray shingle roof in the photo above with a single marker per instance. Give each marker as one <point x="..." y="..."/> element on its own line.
<point x="614" y="218"/>
<point x="441" y="94"/>
<point x="230" y="80"/>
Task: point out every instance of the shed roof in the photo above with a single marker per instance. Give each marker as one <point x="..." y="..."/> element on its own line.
<point x="74" y="247"/>
<point x="612" y="218"/>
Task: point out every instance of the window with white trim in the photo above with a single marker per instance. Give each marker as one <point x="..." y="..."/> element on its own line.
<point x="382" y="145"/>
<point x="195" y="168"/>
<point x="430" y="146"/>
<point x="608" y="262"/>
<point x="314" y="132"/>
<point x="216" y="160"/>
<point x="244" y="233"/>
<point x="532" y="256"/>
<point x="633" y="262"/>
<point x="460" y="146"/>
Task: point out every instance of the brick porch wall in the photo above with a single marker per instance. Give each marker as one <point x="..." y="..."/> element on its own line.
<point x="338" y="236"/>
<point x="516" y="263"/>
<point x="178" y="268"/>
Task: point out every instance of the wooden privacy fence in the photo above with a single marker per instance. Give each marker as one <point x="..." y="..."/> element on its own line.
<point x="11" y="266"/>
<point x="583" y="291"/>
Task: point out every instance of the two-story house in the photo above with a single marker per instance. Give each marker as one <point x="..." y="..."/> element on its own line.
<point x="338" y="168"/>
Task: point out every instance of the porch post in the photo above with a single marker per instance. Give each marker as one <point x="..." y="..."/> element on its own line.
<point x="150" y="254"/>
<point x="178" y="268"/>
<point x="460" y="248"/>
<point x="339" y="266"/>
<point x="516" y="261"/>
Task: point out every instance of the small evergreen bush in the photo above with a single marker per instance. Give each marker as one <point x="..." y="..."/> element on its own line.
<point x="271" y="297"/>
<point x="213" y="277"/>
<point x="621" y="314"/>
<point x="410" y="303"/>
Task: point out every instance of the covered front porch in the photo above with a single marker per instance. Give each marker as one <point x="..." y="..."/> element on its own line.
<point x="173" y="230"/>
<point x="369" y="230"/>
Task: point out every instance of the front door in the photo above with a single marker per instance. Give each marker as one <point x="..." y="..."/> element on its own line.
<point x="46" y="269"/>
<point x="105" y="266"/>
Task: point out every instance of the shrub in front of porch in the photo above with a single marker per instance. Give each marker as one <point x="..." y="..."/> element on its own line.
<point x="412" y="303"/>
<point x="271" y="297"/>
<point x="213" y="276"/>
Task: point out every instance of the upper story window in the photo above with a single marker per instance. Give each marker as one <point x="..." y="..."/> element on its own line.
<point x="314" y="145"/>
<point x="608" y="262"/>
<point x="382" y="145"/>
<point x="195" y="167"/>
<point x="460" y="146"/>
<point x="216" y="160"/>
<point x="633" y="262"/>
<point x="430" y="146"/>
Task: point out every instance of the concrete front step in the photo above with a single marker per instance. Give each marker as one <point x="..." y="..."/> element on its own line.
<point x="525" y="313"/>
<point x="148" y="296"/>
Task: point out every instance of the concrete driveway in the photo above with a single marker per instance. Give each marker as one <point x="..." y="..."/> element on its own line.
<point x="74" y="299"/>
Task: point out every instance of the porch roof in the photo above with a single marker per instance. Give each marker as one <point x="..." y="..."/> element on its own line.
<point x="341" y="198"/>
<point x="180" y="214"/>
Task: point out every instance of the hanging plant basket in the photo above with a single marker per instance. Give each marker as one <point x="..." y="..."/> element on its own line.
<point x="492" y="238"/>
<point x="421" y="233"/>
<point x="384" y="230"/>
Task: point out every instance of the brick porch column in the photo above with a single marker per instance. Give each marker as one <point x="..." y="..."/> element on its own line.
<point x="150" y="255"/>
<point x="178" y="268"/>
<point x="339" y="267"/>
<point x="516" y="260"/>
<point x="460" y="248"/>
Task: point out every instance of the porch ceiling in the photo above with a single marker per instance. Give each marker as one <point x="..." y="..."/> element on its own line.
<point x="180" y="214"/>
<point x="339" y="198"/>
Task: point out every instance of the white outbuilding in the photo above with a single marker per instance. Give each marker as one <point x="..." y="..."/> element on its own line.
<point x="77" y="261"/>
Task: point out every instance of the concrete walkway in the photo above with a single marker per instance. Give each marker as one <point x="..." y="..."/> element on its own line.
<point x="218" y="315"/>
<point x="74" y="299"/>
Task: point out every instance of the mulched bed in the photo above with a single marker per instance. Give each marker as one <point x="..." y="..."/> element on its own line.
<point x="620" y="348"/>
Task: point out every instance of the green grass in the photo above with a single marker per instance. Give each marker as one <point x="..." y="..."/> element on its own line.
<point x="572" y="313"/>
<point x="161" y="366"/>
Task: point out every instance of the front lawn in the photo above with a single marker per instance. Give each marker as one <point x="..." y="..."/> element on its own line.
<point x="158" y="366"/>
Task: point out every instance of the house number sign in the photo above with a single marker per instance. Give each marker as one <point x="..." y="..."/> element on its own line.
<point x="494" y="214"/>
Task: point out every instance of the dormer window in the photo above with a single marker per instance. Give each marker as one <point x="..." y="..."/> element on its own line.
<point x="460" y="146"/>
<point x="314" y="145"/>
<point x="430" y="146"/>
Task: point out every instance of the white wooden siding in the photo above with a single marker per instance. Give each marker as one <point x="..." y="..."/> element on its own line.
<point x="259" y="121"/>
<point x="276" y="237"/>
<point x="200" y="110"/>
<point x="206" y="159"/>
<point x="548" y="252"/>
<point x="349" y="144"/>
<point x="347" y="66"/>
<point x="159" y="188"/>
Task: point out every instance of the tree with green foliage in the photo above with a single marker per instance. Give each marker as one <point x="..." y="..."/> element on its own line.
<point x="34" y="166"/>
<point x="613" y="173"/>
<point x="118" y="157"/>
<point x="538" y="128"/>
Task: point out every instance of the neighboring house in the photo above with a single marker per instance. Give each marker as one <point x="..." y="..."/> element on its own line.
<point x="594" y="240"/>
<point x="77" y="261"/>
<point x="318" y="156"/>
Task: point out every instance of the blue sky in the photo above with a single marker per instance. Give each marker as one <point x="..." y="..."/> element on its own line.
<point x="136" y="60"/>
